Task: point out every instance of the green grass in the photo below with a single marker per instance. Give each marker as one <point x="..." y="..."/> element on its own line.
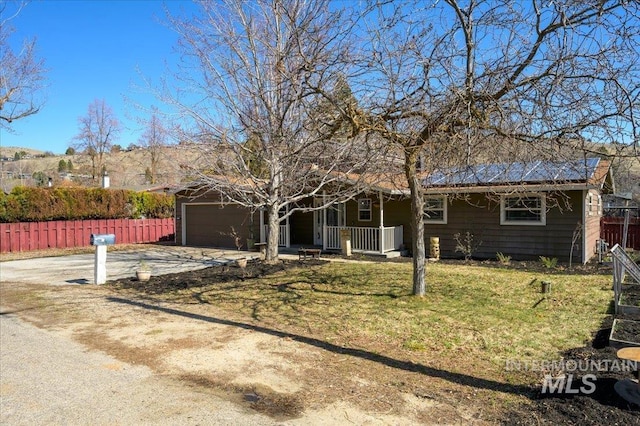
<point x="476" y="315"/>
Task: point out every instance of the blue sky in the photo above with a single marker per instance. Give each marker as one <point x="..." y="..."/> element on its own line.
<point x="92" y="50"/>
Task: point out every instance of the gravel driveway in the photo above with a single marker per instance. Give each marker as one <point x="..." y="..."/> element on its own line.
<point x="79" y="268"/>
<point x="46" y="378"/>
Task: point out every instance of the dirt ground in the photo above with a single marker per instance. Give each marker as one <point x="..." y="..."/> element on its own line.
<point x="292" y="378"/>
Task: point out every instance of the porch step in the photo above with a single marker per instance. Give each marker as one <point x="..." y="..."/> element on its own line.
<point x="393" y="254"/>
<point x="388" y="255"/>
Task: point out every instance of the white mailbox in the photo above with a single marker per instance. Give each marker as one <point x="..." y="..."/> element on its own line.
<point x="101" y="241"/>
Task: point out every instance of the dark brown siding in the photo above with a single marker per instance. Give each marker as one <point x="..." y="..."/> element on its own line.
<point x="477" y="215"/>
<point x="396" y="212"/>
<point x="352" y="212"/>
<point x="481" y="217"/>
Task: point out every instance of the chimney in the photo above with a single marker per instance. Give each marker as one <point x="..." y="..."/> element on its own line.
<point x="105" y="179"/>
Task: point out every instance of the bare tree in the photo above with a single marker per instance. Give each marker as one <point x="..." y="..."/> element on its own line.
<point x="22" y="74"/>
<point x="98" y="130"/>
<point x="455" y="82"/>
<point x="154" y="138"/>
<point x="258" y="72"/>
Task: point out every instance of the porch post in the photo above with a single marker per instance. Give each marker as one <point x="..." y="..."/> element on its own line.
<point x="262" y="236"/>
<point x="324" y="220"/>
<point x="287" y="241"/>
<point x="381" y="222"/>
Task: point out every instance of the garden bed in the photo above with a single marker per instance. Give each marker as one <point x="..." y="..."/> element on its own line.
<point x="624" y="333"/>
<point x="629" y="303"/>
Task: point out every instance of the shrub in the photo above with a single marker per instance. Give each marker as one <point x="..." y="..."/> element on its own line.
<point x="148" y="204"/>
<point x="503" y="259"/>
<point x="466" y="244"/>
<point x="43" y="204"/>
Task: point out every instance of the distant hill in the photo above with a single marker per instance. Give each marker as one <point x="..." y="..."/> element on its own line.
<point x="9" y="151"/>
<point x="126" y="168"/>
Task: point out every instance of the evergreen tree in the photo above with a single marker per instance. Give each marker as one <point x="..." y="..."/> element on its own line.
<point x="40" y="178"/>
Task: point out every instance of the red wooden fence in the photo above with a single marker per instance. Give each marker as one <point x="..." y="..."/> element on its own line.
<point x="611" y="231"/>
<point x="25" y="236"/>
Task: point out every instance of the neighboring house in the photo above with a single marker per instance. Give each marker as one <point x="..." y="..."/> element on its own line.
<point x="523" y="211"/>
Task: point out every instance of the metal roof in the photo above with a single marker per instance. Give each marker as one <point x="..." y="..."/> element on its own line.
<point x="510" y="173"/>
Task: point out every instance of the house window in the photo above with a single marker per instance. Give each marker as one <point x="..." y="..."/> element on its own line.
<point x="435" y="210"/>
<point x="364" y="210"/>
<point x="523" y="210"/>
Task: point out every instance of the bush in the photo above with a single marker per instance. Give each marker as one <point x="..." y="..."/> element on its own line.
<point x="44" y="204"/>
<point x="148" y="204"/>
<point x="549" y="262"/>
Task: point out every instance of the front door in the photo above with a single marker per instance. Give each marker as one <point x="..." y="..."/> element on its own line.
<point x="335" y="214"/>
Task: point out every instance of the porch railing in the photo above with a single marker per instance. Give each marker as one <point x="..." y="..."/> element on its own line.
<point x="366" y="239"/>
<point x="283" y="237"/>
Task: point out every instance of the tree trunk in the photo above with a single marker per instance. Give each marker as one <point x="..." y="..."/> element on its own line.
<point x="273" y="234"/>
<point x="93" y="167"/>
<point x="154" y="166"/>
<point x="417" y="225"/>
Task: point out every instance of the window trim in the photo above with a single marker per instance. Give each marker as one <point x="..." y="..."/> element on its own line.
<point x="360" y="210"/>
<point x="444" y="210"/>
<point x="543" y="211"/>
<point x="600" y="206"/>
<point x="593" y="204"/>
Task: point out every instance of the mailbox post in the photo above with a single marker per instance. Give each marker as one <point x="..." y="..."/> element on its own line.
<point x="101" y="241"/>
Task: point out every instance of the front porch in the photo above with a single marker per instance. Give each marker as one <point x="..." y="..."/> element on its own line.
<point x="361" y="219"/>
<point x="366" y="240"/>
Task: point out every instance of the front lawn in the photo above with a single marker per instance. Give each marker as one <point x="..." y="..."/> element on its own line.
<point x="473" y="319"/>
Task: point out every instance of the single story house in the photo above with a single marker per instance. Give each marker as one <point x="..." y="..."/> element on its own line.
<point x="522" y="210"/>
